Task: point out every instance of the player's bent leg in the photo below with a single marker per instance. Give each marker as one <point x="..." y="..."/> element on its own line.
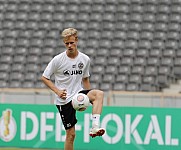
<point x="96" y="97"/>
<point x="70" y="136"/>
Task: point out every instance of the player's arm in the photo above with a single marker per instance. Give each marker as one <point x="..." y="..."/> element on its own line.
<point x="61" y="93"/>
<point x="86" y="83"/>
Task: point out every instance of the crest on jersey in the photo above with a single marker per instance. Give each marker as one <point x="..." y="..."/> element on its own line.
<point x="80" y="65"/>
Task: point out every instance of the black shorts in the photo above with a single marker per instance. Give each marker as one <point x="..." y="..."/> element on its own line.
<point x="68" y="113"/>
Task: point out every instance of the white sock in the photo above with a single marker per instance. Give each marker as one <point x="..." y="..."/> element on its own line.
<point x="95" y="120"/>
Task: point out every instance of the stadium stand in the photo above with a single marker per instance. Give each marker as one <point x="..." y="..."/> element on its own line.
<point x="134" y="45"/>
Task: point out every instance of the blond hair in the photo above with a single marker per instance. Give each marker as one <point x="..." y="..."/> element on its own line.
<point x="69" y="32"/>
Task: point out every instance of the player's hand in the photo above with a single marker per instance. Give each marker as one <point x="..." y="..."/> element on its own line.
<point x="62" y="94"/>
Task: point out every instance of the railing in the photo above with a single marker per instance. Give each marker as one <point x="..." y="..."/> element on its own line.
<point x="112" y="98"/>
<point x="26" y="96"/>
<point x="143" y="99"/>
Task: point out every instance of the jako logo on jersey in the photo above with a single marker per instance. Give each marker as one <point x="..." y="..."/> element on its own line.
<point x="73" y="72"/>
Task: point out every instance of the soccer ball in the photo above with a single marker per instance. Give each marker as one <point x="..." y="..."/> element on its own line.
<point x="80" y="102"/>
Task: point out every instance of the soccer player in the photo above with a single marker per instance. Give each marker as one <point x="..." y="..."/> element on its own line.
<point x="71" y="70"/>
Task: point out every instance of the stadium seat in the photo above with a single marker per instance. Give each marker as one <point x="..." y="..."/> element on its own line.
<point x="119" y="87"/>
<point x="142" y="52"/>
<point x="97" y="17"/>
<point x="141" y="61"/>
<point x="102" y="52"/>
<point x="146" y="35"/>
<point x="24" y="7"/>
<point x="6" y="59"/>
<point x="121" y="26"/>
<point x="159" y="35"/>
<point x="135" y="17"/>
<point x="98" y="8"/>
<point x="137" y="69"/>
<point x="105" y="86"/>
<point x="11" y="34"/>
<point x="150" y="80"/>
<point x="167" y="61"/>
<point x="93" y="43"/>
<point x="95" y="85"/>
<point x="132" y="87"/>
<point x="30" y="77"/>
<point x="3" y="84"/>
<point x="175" y="18"/>
<point x="164" y="80"/>
<point x="32" y="67"/>
<point x="4" y="67"/>
<point x="175" y="9"/>
<point x="165" y="9"/>
<point x="105" y="43"/>
<point x="34" y="16"/>
<point x="58" y="17"/>
<point x="43" y="25"/>
<point x="111" y="69"/>
<point x="151" y="70"/>
<point x="100" y="61"/>
<point x="81" y="26"/>
<point x="124" y="69"/>
<point x="111" y="8"/>
<point x="108" y="78"/>
<point x="32" y="25"/>
<point x="127" y="61"/>
<point x="117" y="43"/>
<point x="156" y="52"/>
<point x="17" y="67"/>
<point x="122" y="17"/>
<point x="108" y="26"/>
<point x="169" y="53"/>
<point x="98" y="69"/>
<point x="116" y="52"/>
<point x="15" y="84"/>
<point x="136" y="8"/>
<point x="107" y="35"/>
<point x="165" y="70"/>
<point x="174" y="27"/>
<point x="7" y="50"/>
<point x="113" y="61"/>
<point x="134" y="26"/>
<point x="147" y="26"/>
<point x="149" y="18"/>
<point x="119" y="35"/>
<point x="158" y="44"/>
<point x="153" y="61"/>
<point x="131" y="44"/>
<point x="147" y="88"/>
<point x="96" y="78"/>
<point x="28" y="84"/>
<point x="173" y="35"/>
<point x="135" y="78"/>
<point x="20" y="51"/>
<point x="19" y="59"/>
<point x="129" y="52"/>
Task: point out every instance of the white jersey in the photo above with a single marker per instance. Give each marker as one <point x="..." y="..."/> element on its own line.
<point x="68" y="74"/>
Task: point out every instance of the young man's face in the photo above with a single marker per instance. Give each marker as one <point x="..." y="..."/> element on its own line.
<point x="71" y="44"/>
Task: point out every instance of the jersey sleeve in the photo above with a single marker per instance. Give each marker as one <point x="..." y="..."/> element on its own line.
<point x="50" y="69"/>
<point x="86" y="71"/>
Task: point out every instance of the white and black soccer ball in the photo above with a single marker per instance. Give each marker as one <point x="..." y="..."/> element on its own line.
<point x="80" y="102"/>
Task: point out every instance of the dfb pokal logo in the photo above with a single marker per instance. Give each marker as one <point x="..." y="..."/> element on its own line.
<point x="7" y="126"/>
